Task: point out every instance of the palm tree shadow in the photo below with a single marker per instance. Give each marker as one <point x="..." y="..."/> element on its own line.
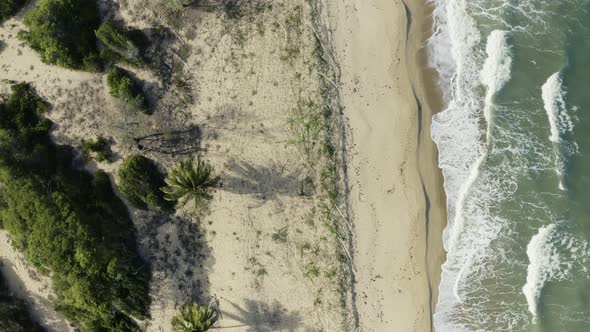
<point x="266" y="182"/>
<point x="258" y="316"/>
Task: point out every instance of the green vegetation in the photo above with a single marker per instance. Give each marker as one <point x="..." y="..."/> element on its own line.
<point x="13" y="313"/>
<point x="140" y="182"/>
<point x="117" y="42"/>
<point x="190" y="182"/>
<point x="68" y="222"/>
<point x="10" y="7"/>
<point x="99" y="148"/>
<point x="122" y="86"/>
<point x="62" y="31"/>
<point x="193" y="317"/>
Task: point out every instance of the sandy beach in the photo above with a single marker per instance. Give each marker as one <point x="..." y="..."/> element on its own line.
<point x="271" y="248"/>
<point x="396" y="198"/>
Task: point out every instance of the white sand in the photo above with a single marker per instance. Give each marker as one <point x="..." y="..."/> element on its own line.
<point x="247" y="90"/>
<point x="397" y="254"/>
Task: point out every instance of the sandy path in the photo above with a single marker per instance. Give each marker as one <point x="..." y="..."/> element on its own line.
<point x="396" y="187"/>
<point x="30" y="286"/>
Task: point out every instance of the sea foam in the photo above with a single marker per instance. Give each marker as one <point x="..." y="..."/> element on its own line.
<point x="544" y="264"/>
<point x="464" y="146"/>
<point x="560" y="121"/>
<point x="553" y="255"/>
<point x="496" y="68"/>
<point x="458" y="135"/>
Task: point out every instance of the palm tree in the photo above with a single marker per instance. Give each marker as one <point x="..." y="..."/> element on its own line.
<point x="195" y="318"/>
<point x="190" y="181"/>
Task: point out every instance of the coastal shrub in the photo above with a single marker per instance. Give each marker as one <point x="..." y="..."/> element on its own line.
<point x="117" y="42"/>
<point x="68" y="222"/>
<point x="139" y="180"/>
<point x="14" y="316"/>
<point x="193" y="317"/>
<point x="99" y="148"/>
<point x="122" y="86"/>
<point x="10" y="7"/>
<point x="190" y="183"/>
<point x="62" y="32"/>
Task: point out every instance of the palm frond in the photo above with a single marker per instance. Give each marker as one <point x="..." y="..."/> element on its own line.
<point x="191" y="180"/>
<point x="193" y="317"/>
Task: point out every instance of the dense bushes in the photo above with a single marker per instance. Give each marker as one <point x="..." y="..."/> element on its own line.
<point x="68" y="222"/>
<point x="13" y="313"/>
<point x="62" y="31"/>
<point x="122" y="86"/>
<point x="140" y="181"/>
<point x="9" y="8"/>
<point x="117" y="42"/>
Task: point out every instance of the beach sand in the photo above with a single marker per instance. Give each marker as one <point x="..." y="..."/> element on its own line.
<point x="265" y="250"/>
<point x="396" y="195"/>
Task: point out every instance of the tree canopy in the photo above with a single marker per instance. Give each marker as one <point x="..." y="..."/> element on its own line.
<point x="193" y="317"/>
<point x="190" y="183"/>
<point x="10" y="7"/>
<point x="68" y="222"/>
<point x="117" y="41"/>
<point x="62" y="31"/>
<point x="139" y="180"/>
<point x="122" y="86"/>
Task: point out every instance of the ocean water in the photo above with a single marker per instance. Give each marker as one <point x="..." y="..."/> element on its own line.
<point x="514" y="148"/>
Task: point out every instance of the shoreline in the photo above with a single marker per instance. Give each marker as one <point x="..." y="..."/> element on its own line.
<point x="429" y="95"/>
<point x="396" y="191"/>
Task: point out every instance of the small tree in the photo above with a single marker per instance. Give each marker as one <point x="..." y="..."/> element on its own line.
<point x="190" y="181"/>
<point x="122" y="86"/>
<point x="139" y="181"/>
<point x="193" y="317"/>
<point x="116" y="41"/>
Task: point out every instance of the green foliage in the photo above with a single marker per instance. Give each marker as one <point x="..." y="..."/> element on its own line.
<point x="23" y="132"/>
<point x="100" y="148"/>
<point x="62" y="31"/>
<point x="193" y="317"/>
<point x="10" y="7"/>
<point x="190" y="181"/>
<point x="13" y="313"/>
<point x="68" y="222"/>
<point x="140" y="181"/>
<point x="122" y="86"/>
<point x="117" y="42"/>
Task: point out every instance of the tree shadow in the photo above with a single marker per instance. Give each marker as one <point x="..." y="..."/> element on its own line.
<point x="40" y="309"/>
<point x="175" y="143"/>
<point x="266" y="182"/>
<point x="179" y="256"/>
<point x="261" y="317"/>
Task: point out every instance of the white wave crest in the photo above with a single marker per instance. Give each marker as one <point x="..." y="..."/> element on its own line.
<point x="560" y="122"/>
<point x="544" y="263"/>
<point x="496" y="68"/>
<point x="552" y="257"/>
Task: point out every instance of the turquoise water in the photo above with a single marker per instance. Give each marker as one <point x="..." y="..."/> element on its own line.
<point x="514" y="147"/>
